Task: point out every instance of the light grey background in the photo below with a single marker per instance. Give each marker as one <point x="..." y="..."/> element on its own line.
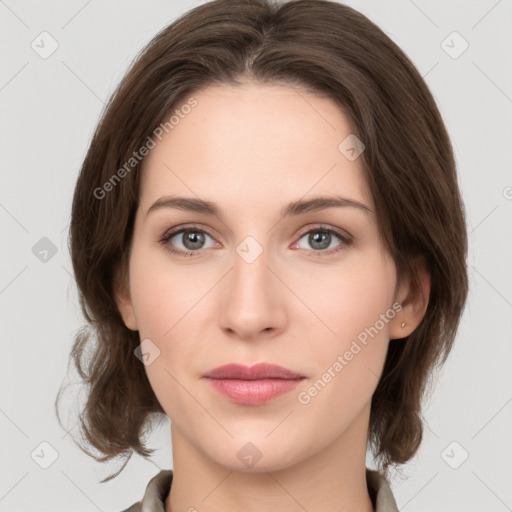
<point x="49" y="110"/>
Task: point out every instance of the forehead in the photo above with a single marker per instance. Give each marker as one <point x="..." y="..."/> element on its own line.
<point x="251" y="139"/>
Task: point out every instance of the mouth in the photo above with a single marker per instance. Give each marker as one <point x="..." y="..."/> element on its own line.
<point x="254" y="385"/>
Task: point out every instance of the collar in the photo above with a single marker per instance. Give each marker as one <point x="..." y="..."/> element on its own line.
<point x="159" y="487"/>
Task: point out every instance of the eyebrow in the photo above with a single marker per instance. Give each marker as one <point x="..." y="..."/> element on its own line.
<point x="298" y="207"/>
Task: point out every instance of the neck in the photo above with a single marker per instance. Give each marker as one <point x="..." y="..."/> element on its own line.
<point x="332" y="479"/>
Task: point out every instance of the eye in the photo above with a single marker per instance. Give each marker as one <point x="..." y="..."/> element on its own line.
<point x="321" y="238"/>
<point x="191" y="238"/>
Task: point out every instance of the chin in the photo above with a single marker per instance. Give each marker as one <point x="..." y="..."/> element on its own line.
<point x="256" y="456"/>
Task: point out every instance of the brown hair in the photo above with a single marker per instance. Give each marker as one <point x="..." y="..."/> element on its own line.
<point x="326" y="48"/>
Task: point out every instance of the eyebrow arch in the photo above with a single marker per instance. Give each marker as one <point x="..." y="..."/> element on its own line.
<point x="298" y="207"/>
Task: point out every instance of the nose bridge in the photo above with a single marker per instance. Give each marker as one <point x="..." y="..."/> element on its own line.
<point x="252" y="302"/>
<point x="250" y="279"/>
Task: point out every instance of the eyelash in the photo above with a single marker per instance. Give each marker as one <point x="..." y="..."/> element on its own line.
<point x="346" y="240"/>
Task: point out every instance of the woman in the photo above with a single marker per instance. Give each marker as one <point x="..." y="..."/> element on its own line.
<point x="270" y="247"/>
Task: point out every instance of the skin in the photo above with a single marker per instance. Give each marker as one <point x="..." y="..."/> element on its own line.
<point x="252" y="149"/>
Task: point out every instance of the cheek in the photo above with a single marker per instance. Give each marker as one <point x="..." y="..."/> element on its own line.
<point x="162" y="296"/>
<point x="353" y="305"/>
<point x="161" y="302"/>
<point x="168" y="303"/>
<point x="348" y="299"/>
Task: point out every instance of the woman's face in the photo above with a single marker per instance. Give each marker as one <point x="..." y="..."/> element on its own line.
<point x="311" y="290"/>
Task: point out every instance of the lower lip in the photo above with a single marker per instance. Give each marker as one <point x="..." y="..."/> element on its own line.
<point x="253" y="392"/>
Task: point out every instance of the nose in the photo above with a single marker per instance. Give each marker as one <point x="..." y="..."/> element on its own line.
<point x="252" y="305"/>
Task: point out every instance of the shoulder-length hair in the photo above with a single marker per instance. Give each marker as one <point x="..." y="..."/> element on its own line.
<point x="333" y="51"/>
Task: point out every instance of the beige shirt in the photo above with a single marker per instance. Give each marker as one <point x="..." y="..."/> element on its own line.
<point x="159" y="487"/>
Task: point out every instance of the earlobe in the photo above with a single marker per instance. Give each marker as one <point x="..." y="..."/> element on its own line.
<point x="124" y="303"/>
<point x="414" y="303"/>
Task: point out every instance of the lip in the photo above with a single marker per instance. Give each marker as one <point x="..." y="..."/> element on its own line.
<point x="254" y="385"/>
<point x="255" y="372"/>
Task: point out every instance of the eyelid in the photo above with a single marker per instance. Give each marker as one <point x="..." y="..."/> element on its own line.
<point x="180" y="228"/>
<point x="344" y="235"/>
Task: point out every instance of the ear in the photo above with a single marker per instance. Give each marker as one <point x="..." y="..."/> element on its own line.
<point x="123" y="298"/>
<point x="414" y="303"/>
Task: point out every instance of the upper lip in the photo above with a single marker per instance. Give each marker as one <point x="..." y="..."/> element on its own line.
<point x="256" y="372"/>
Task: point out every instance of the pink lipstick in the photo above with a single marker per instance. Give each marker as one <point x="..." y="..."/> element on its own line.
<point x="253" y="385"/>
